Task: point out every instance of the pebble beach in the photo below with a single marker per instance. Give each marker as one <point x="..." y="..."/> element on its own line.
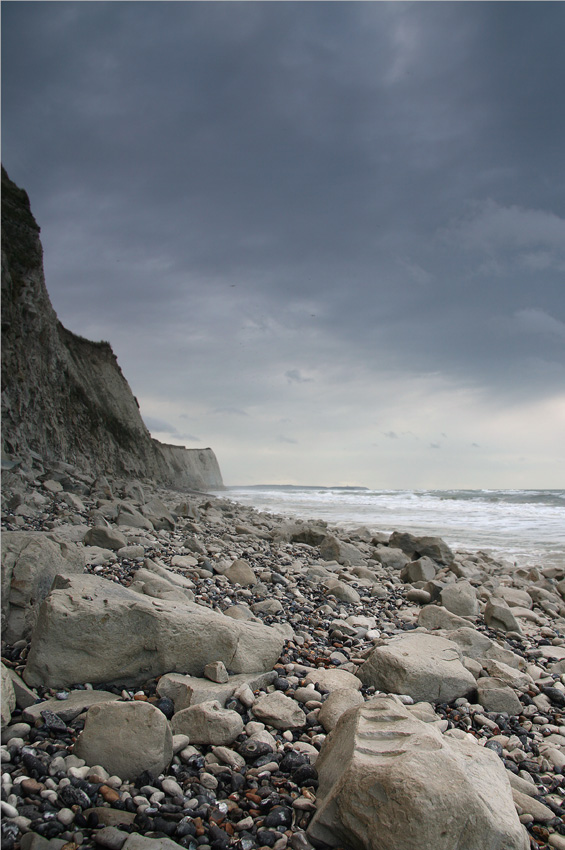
<point x="242" y="769"/>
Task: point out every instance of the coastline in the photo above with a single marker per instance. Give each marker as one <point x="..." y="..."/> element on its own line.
<point x="336" y="597"/>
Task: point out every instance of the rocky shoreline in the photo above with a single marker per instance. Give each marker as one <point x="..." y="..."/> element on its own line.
<point x="204" y="675"/>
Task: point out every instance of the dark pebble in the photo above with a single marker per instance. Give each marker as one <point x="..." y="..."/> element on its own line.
<point x="266" y="837"/>
<point x="279" y="816"/>
<point x="71" y="796"/>
<point x="34" y="766"/>
<point x="293" y="760"/>
<point x="307" y="774"/>
<point x="53" y="722"/>
<point x="167" y="706"/>
<point x="185" y="827"/>
<point x="162" y="825"/>
<point x="10" y="834"/>
<point x="495" y="746"/>
<point x="555" y="695"/>
<point x="251" y="750"/>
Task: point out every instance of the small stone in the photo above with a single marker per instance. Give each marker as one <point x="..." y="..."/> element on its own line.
<point x="216" y="672"/>
<point x="110" y="837"/>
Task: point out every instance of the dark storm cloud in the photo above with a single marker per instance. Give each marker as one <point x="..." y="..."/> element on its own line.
<point x="344" y="187"/>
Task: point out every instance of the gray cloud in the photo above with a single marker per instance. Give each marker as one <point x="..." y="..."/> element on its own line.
<point x="366" y="189"/>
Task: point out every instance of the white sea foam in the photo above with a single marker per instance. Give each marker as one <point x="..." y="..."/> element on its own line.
<point x="525" y="526"/>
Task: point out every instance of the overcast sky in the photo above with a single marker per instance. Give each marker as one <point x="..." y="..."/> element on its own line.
<point x="325" y="238"/>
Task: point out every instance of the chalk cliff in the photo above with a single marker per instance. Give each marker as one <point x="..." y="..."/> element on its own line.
<point x="64" y="396"/>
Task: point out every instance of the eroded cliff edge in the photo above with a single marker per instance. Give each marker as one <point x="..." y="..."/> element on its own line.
<point x="64" y="396"/>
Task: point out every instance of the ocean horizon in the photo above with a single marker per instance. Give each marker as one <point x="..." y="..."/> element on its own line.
<point x="526" y="527"/>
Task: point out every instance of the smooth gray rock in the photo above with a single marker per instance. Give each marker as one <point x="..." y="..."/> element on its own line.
<point x="67" y="709"/>
<point x="498" y="615"/>
<point x="30" y="562"/>
<point x="342" y="591"/>
<point x="433" y="617"/>
<point x="389" y="780"/>
<point x="144" y="842"/>
<point x="333" y="680"/>
<point x="423" y="569"/>
<point x="241" y="573"/>
<point x="333" y="549"/>
<point x="460" y="599"/>
<point x="415" y="547"/>
<point x="126" y="738"/>
<point x="391" y="557"/>
<point x="185" y="691"/>
<point x="427" y="667"/>
<point x="495" y="695"/>
<point x="105" y="538"/>
<point x="338" y="702"/>
<point x="93" y="630"/>
<point x="208" y="723"/>
<point x="8" y="697"/>
<point x="279" y="711"/>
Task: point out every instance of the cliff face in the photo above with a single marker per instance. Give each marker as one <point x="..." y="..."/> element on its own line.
<point x="63" y="396"/>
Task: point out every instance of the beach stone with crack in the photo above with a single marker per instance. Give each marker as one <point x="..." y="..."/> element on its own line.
<point x="8" y="697"/>
<point x="509" y="675"/>
<point x="423" y="569"/>
<point x="279" y="711"/>
<point x="514" y="597"/>
<point x="30" y="562"/>
<point x="332" y="680"/>
<point x="460" y="599"/>
<point x="391" y="557"/>
<point x="426" y="667"/>
<point x="495" y="695"/>
<point x="498" y="615"/>
<point x="338" y="702"/>
<point x="216" y="671"/>
<point x="434" y="617"/>
<point x="341" y="590"/>
<point x="387" y="779"/>
<point x="208" y="723"/>
<point x="69" y="708"/>
<point x="126" y="738"/>
<point x="241" y="573"/>
<point x="415" y="547"/>
<point x="333" y="549"/>
<point x="93" y="630"/>
<point x="105" y="538"/>
<point x="185" y="691"/>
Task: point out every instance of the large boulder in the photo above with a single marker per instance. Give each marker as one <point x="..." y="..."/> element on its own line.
<point x="390" y="780"/>
<point x="92" y="630"/>
<point x="30" y="562"/>
<point x="126" y="738"/>
<point x="332" y="549"/>
<point x="460" y="599"/>
<point x="416" y="547"/>
<point x="499" y="616"/>
<point x="426" y="667"/>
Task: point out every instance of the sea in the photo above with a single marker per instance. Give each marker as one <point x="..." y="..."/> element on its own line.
<point x="525" y="527"/>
